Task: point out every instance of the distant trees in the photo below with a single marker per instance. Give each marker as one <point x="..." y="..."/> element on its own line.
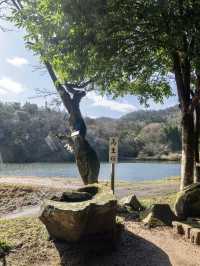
<point x="24" y="129"/>
<point x="23" y="132"/>
<point x="173" y="137"/>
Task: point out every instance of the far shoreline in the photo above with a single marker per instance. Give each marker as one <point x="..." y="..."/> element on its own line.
<point x="129" y="160"/>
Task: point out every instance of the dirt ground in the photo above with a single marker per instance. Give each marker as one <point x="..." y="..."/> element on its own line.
<point x="136" y="247"/>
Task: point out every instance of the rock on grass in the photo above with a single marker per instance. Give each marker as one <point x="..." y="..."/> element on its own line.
<point x="158" y="215"/>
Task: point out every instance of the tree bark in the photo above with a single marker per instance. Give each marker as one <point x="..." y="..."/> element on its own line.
<point x="86" y="157"/>
<point x="188" y="150"/>
<point x="182" y="70"/>
<point x="197" y="133"/>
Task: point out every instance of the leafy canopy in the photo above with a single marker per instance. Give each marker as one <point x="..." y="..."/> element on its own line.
<point x="47" y="30"/>
<point x="125" y="46"/>
<point x="132" y="45"/>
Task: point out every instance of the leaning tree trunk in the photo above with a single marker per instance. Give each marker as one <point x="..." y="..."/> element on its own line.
<point x="197" y="133"/>
<point x="86" y="157"/>
<point x="188" y="149"/>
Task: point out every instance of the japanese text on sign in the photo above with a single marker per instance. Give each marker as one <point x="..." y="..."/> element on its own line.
<point x="113" y="150"/>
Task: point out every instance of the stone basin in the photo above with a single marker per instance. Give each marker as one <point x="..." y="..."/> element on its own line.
<point x="92" y="215"/>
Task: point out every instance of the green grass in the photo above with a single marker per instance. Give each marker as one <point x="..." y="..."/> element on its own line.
<point x="27" y="238"/>
<point x="166" y="180"/>
<point x="20" y="231"/>
<point x="165" y="199"/>
<point x="4" y="247"/>
<point x="163" y="181"/>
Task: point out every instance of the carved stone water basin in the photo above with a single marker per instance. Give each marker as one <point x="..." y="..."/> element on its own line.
<point x="86" y="213"/>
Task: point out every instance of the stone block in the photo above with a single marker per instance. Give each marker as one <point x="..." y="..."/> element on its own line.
<point x="195" y="236"/>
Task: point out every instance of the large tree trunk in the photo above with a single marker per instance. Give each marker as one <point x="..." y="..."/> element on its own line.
<point x="197" y="133"/>
<point x="86" y="157"/>
<point x="86" y="160"/>
<point x="188" y="150"/>
<point x="182" y="70"/>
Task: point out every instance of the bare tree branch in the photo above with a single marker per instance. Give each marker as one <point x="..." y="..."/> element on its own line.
<point x="65" y="96"/>
<point x="42" y="93"/>
<point x="17" y="4"/>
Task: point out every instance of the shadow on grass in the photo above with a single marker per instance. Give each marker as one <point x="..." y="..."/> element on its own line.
<point x="130" y="249"/>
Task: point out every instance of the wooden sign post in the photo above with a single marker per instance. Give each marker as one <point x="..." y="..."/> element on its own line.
<point x="113" y="158"/>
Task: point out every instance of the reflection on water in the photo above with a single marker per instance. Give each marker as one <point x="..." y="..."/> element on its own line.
<point x="124" y="171"/>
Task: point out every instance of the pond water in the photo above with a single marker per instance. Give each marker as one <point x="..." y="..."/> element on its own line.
<point x="131" y="171"/>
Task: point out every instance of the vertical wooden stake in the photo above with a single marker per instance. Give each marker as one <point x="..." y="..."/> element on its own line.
<point x="113" y="178"/>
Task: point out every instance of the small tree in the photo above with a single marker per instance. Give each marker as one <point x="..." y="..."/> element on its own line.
<point x="46" y="29"/>
<point x="132" y="47"/>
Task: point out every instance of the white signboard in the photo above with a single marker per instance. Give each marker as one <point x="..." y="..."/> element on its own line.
<point x="113" y="149"/>
<point x="75" y="133"/>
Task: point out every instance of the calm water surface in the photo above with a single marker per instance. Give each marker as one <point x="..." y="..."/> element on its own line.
<point x="124" y="171"/>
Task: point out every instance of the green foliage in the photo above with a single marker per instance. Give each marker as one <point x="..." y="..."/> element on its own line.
<point x="4" y="247"/>
<point x="124" y="46"/>
<point x="129" y="46"/>
<point x="173" y="136"/>
<point x="100" y="41"/>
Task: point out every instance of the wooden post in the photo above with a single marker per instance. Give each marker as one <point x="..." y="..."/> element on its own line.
<point x="113" y="178"/>
<point x="113" y="158"/>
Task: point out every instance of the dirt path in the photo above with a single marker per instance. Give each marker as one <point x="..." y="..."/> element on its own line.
<point x="170" y="249"/>
<point x="147" y="190"/>
<point x="33" y="212"/>
<point x="54" y="182"/>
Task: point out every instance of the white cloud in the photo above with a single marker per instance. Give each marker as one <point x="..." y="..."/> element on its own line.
<point x="17" y="61"/>
<point x="7" y="85"/>
<point x="2" y="92"/>
<point x="111" y="104"/>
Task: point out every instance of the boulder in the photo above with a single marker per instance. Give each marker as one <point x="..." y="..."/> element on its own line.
<point x="75" y="221"/>
<point x="188" y="202"/>
<point x="159" y="215"/>
<point x="129" y="201"/>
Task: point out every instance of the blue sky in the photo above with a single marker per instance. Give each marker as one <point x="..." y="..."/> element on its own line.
<point x="19" y="79"/>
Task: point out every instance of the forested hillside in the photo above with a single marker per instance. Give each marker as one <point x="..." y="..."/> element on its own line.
<point x="142" y="134"/>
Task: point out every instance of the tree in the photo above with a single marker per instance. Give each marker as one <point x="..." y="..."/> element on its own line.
<point x="46" y="36"/>
<point x="134" y="46"/>
<point x="173" y="137"/>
